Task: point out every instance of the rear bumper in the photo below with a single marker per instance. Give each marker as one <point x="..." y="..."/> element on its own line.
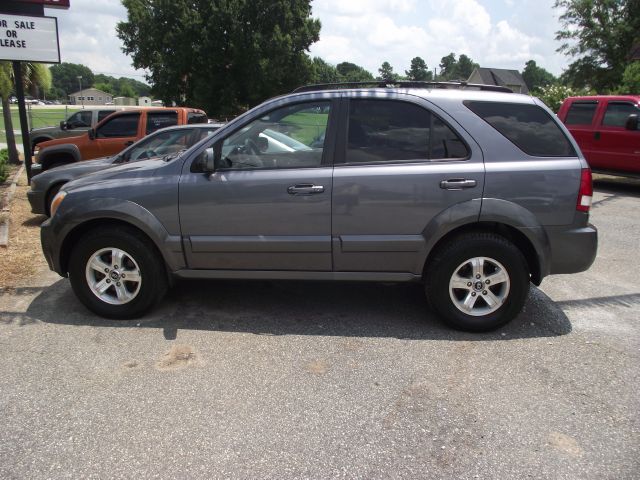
<point x="572" y="250"/>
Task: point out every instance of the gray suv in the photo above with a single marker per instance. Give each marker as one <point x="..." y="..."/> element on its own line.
<point x="474" y="191"/>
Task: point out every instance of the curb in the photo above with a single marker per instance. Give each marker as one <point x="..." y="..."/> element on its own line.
<point x="4" y="207"/>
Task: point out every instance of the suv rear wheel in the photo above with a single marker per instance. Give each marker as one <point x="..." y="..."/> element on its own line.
<point x="478" y="282"/>
<point x="116" y="273"/>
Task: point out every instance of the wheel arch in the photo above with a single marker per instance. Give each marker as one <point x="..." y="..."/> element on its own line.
<point x="67" y="153"/>
<point x="117" y="213"/>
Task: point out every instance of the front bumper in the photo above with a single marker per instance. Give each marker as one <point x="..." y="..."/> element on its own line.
<point x="37" y="202"/>
<point x="50" y="247"/>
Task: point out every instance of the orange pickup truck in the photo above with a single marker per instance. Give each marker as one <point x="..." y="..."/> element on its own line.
<point x="111" y="135"/>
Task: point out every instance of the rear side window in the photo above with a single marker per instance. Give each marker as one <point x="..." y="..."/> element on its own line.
<point x="581" y="113"/>
<point x="158" y="120"/>
<point x="618" y="112"/>
<point x="120" y="126"/>
<point x="528" y="127"/>
<point x="194" y="117"/>
<point x="392" y="131"/>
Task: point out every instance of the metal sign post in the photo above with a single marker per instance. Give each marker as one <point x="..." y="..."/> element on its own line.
<point x="27" y="35"/>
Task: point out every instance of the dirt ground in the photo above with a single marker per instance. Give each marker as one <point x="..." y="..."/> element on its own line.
<point x="22" y="257"/>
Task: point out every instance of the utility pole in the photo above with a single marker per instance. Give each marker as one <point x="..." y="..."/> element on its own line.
<point x="79" y="77"/>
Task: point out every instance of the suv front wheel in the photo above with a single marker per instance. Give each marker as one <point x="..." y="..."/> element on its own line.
<point x="116" y="273"/>
<point x="478" y="282"/>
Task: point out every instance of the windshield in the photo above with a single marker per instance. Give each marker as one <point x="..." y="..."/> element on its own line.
<point x="164" y="144"/>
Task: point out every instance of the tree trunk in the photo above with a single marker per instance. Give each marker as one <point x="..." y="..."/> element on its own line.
<point x="8" y="126"/>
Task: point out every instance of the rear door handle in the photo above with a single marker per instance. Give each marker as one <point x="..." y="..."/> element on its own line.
<point x="457" y="184"/>
<point x="305" y="189"/>
<point x="129" y="143"/>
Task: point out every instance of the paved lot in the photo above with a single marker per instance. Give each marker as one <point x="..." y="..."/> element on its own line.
<point x="312" y="380"/>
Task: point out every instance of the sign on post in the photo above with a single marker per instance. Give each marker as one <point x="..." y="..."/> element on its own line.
<point x="29" y="39"/>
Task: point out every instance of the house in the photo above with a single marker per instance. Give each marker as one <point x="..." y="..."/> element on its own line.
<point x="499" y="76"/>
<point x="144" y="101"/>
<point x="90" y="96"/>
<point x="126" y="101"/>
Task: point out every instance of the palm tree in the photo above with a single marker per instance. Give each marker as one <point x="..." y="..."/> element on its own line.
<point x="35" y="75"/>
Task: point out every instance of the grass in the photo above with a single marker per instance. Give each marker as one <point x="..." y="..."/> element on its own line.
<point x="37" y="117"/>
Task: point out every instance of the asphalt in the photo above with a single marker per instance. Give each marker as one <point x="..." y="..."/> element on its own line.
<point x="317" y="380"/>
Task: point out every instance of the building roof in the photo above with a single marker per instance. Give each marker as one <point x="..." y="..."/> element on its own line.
<point x="500" y="76"/>
<point x="89" y="89"/>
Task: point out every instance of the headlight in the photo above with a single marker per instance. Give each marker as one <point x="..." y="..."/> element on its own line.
<point x="57" y="200"/>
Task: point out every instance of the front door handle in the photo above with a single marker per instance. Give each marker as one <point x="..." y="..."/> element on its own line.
<point x="596" y="135"/>
<point x="457" y="184"/>
<point x="305" y="189"/>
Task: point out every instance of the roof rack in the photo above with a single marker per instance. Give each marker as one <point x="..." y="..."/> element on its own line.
<point x="403" y="84"/>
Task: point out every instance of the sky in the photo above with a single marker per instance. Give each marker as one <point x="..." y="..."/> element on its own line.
<point x="494" y="33"/>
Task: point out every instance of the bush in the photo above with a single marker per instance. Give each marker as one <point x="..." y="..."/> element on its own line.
<point x="554" y="95"/>
<point x="4" y="167"/>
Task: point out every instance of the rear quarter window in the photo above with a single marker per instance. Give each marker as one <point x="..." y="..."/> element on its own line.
<point x="528" y="127"/>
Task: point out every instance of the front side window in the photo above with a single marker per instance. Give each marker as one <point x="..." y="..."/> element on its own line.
<point x="196" y="117"/>
<point x="102" y="114"/>
<point x="392" y="131"/>
<point x="120" y="126"/>
<point x="164" y="143"/>
<point x="158" y="120"/>
<point x="618" y="112"/>
<point x="581" y="113"/>
<point x="528" y="127"/>
<point x="79" y="119"/>
<point x="289" y="137"/>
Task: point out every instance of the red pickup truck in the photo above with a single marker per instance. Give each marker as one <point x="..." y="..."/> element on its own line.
<point x="606" y="129"/>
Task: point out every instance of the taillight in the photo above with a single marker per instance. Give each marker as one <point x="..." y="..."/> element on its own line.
<point x="585" y="195"/>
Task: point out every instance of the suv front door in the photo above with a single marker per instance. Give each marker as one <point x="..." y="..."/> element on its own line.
<point x="267" y="206"/>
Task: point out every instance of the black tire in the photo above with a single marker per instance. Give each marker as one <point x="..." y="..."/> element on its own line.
<point x="153" y="277"/>
<point x="52" y="193"/>
<point x="497" y="252"/>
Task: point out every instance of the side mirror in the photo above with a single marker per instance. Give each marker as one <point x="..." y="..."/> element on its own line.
<point x="263" y="144"/>
<point x="632" y="122"/>
<point x="206" y="162"/>
<point x="63" y="125"/>
<point x="92" y="134"/>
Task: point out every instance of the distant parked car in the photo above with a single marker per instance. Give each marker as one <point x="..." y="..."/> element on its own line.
<point x="112" y="135"/>
<point x="167" y="141"/>
<point x="606" y="129"/>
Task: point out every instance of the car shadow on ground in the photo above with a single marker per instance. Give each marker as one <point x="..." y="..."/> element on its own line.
<point x="617" y="185"/>
<point x="296" y="308"/>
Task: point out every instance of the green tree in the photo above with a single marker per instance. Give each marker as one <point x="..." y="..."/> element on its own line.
<point x="65" y="77"/>
<point x="350" y="72"/>
<point x="465" y="67"/>
<point x="323" y="72"/>
<point x="222" y="55"/>
<point x="126" y="90"/>
<point x="386" y="72"/>
<point x="33" y="75"/>
<point x="536" y="77"/>
<point x="418" y="70"/>
<point x="554" y="95"/>
<point x="599" y="35"/>
<point x="631" y="79"/>
<point x="448" y="66"/>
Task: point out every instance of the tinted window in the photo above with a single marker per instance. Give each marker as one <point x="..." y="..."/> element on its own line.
<point x="163" y="143"/>
<point x="617" y="114"/>
<point x="289" y="137"/>
<point x="193" y="117"/>
<point x="80" y="119"/>
<point x="581" y="113"/>
<point x="120" y="126"/>
<point x="529" y="127"/>
<point x="391" y="131"/>
<point x="102" y="114"/>
<point x="158" y="120"/>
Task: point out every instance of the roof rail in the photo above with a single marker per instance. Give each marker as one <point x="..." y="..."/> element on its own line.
<point x="402" y="84"/>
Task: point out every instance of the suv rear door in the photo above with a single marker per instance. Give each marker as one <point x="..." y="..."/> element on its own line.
<point x="401" y="162"/>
